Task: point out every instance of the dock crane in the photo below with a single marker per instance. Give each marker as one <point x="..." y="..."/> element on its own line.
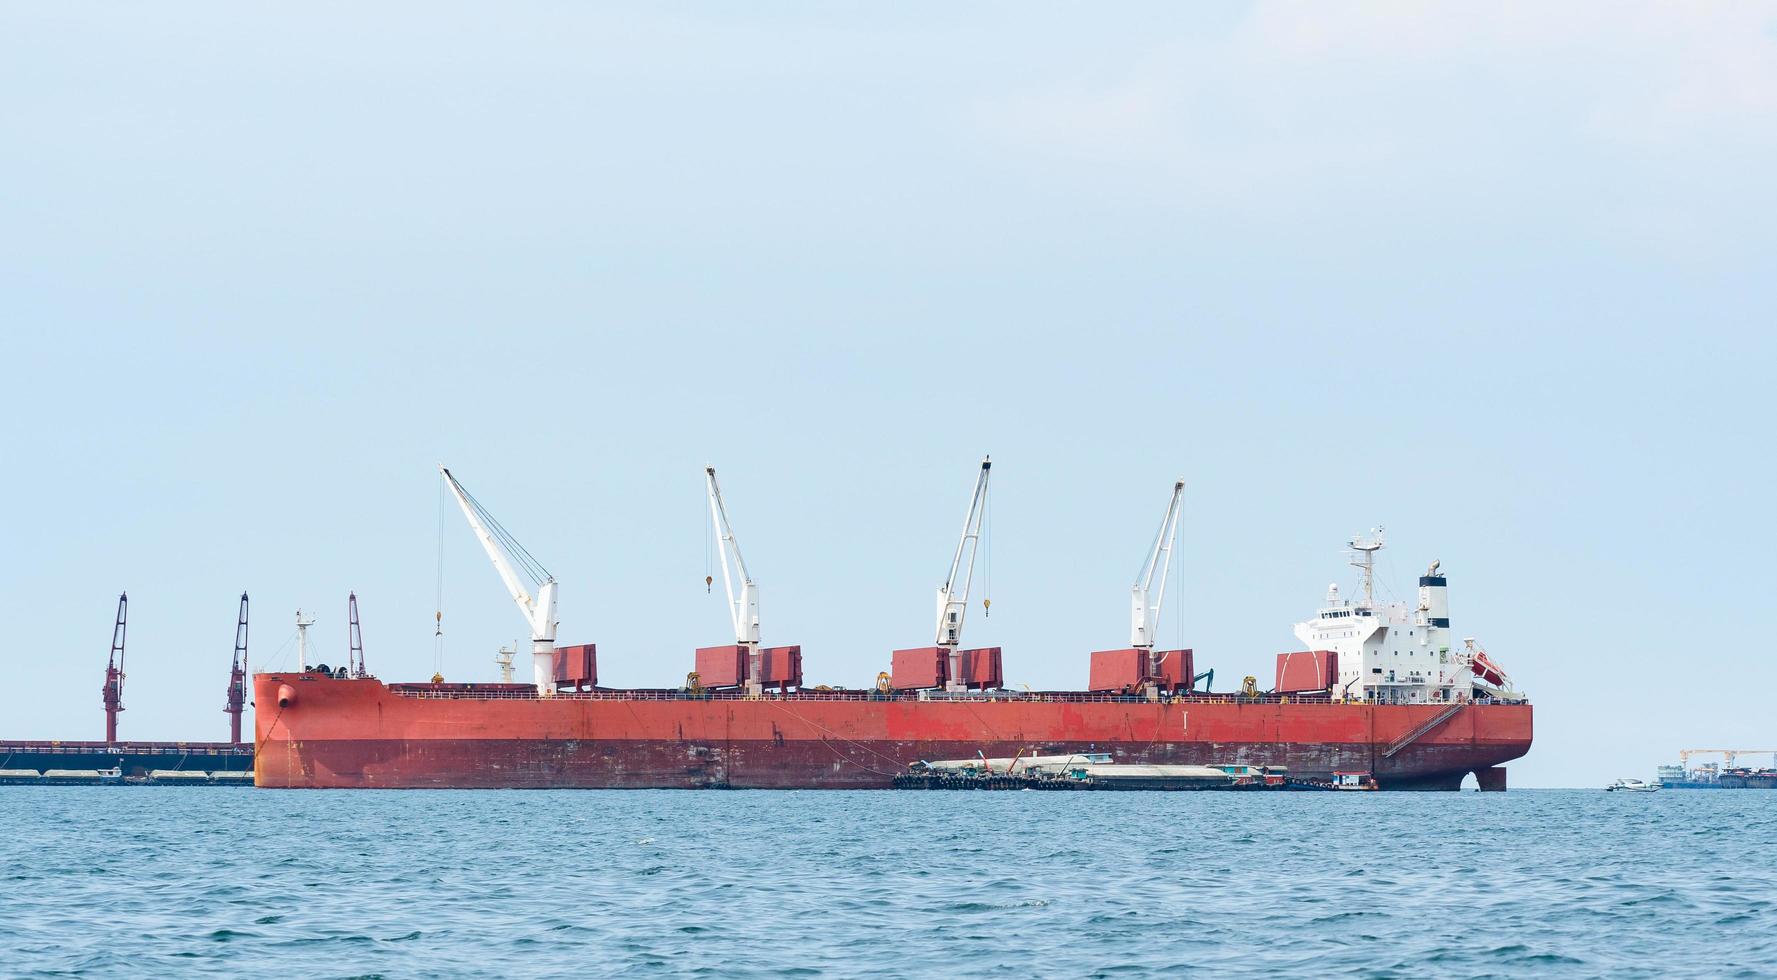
<point x="743" y="609"/>
<point x="538" y="609"/>
<point x="112" y="693"/>
<point x="237" y="676"/>
<point x="354" y="638"/>
<point x="953" y="595"/>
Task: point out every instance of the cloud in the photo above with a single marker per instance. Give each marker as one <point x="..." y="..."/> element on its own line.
<point x="1538" y="103"/>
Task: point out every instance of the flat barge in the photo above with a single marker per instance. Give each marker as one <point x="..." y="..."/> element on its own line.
<point x="57" y="763"/>
<point x="1088" y="771"/>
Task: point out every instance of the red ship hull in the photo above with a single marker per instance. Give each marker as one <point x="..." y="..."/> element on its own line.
<point x="332" y="733"/>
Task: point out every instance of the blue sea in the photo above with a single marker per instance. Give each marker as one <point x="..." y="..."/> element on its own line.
<point x="140" y="881"/>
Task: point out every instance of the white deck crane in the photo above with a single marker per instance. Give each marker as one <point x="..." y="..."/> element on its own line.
<point x="743" y="609"/>
<point x="1148" y="597"/>
<point x="504" y="551"/>
<point x="953" y="595"/>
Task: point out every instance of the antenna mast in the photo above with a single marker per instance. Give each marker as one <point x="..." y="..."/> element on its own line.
<point x="113" y="691"/>
<point x="237" y="676"/>
<point x="302" y="640"/>
<point x="1365" y="560"/>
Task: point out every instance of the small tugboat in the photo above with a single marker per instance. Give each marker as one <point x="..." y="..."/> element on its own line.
<point x="1631" y="786"/>
<point x="1353" y="781"/>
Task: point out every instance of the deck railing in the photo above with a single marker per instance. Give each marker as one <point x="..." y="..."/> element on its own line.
<point x="468" y="692"/>
<point x="127" y="748"/>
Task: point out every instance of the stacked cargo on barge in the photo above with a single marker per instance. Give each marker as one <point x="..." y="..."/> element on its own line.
<point x="743" y="718"/>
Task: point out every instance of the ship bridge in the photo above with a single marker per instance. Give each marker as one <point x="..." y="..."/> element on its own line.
<point x="1395" y="652"/>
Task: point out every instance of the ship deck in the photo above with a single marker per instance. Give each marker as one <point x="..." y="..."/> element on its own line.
<point x="527" y="692"/>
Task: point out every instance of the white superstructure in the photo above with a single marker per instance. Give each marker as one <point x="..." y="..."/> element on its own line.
<point x="1391" y="652"/>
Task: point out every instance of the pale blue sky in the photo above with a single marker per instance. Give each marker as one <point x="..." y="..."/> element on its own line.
<point x="1499" y="278"/>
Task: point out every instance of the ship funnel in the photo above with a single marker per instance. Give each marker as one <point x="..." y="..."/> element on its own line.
<point x="1434" y="599"/>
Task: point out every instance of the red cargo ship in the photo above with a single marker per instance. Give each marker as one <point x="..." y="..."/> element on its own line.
<point x="317" y="731"/>
<point x="1423" y="718"/>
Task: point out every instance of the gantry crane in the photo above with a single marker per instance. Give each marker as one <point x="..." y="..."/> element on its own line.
<point x="1728" y="755"/>
<point x="538" y="609"/>
<point x="743" y="608"/>
<point x="112" y="694"/>
<point x="953" y="595"/>
<point x="237" y="676"/>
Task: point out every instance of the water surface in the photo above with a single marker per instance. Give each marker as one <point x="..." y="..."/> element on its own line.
<point x="139" y="880"/>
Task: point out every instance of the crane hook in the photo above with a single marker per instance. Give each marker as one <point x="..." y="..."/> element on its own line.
<point x="987" y="607"/>
<point x="707" y="582"/>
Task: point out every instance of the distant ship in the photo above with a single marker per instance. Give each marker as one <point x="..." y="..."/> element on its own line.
<point x="1380" y="690"/>
<point x="1726" y="775"/>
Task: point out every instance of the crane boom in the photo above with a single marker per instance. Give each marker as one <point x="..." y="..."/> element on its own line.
<point x="953" y="606"/>
<point x="237" y="676"/>
<point x="503" y="550"/>
<point x="1729" y="755"/>
<point x="743" y="609"/>
<point x="1148" y="597"/>
<point x="240" y="636"/>
<point x="112" y="695"/>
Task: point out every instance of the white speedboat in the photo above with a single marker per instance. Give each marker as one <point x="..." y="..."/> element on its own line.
<point x="1631" y="786"/>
